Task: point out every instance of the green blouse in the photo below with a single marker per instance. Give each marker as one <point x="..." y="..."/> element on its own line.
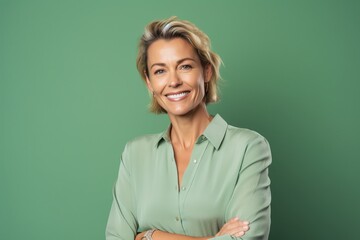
<point x="227" y="177"/>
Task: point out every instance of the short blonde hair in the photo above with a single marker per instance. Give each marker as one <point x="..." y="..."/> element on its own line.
<point x="175" y="28"/>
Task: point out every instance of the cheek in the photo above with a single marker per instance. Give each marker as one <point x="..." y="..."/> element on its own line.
<point x="196" y="79"/>
<point x="200" y="90"/>
<point x="158" y="84"/>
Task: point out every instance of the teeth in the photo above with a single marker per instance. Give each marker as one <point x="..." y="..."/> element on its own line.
<point x="175" y="96"/>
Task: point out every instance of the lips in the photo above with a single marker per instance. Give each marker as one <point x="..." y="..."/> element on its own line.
<point x="177" y="96"/>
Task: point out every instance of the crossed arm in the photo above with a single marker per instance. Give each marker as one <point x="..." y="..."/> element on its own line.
<point x="234" y="227"/>
<point x="250" y="201"/>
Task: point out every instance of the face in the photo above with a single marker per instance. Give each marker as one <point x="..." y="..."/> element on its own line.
<point x="176" y="76"/>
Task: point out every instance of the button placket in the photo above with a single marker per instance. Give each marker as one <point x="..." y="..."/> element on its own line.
<point x="173" y="173"/>
<point x="188" y="178"/>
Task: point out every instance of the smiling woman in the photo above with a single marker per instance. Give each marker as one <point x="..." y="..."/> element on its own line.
<point x="173" y="28"/>
<point x="176" y="77"/>
<point x="201" y="178"/>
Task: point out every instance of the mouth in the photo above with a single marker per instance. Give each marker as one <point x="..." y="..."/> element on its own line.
<point x="177" y="96"/>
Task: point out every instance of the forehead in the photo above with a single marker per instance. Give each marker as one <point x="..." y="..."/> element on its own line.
<point x="164" y="50"/>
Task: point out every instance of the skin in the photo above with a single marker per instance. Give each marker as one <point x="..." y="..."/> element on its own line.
<point x="177" y="79"/>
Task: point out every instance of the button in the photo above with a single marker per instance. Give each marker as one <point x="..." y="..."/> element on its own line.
<point x="195" y="161"/>
<point x="183" y="188"/>
<point x="177" y="219"/>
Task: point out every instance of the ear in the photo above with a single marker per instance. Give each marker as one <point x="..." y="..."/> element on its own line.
<point x="148" y="83"/>
<point x="208" y="73"/>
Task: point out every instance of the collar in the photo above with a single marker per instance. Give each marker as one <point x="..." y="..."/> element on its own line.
<point x="215" y="133"/>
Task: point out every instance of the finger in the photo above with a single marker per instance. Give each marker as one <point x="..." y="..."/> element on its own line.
<point x="238" y="229"/>
<point x="238" y="220"/>
<point x="239" y="234"/>
<point x="245" y="228"/>
<point x="234" y="227"/>
<point x="233" y="220"/>
<point x="236" y="223"/>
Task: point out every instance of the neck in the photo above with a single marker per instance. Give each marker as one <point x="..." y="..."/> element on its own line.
<point x="186" y="129"/>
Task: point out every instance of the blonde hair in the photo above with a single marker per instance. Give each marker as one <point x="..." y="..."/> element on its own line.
<point x="175" y="28"/>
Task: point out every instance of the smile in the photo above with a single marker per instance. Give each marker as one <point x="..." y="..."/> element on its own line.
<point x="177" y="96"/>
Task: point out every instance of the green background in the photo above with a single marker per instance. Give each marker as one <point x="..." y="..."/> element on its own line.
<point x="70" y="98"/>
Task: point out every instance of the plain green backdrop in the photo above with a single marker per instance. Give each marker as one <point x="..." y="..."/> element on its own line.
<point x="70" y="98"/>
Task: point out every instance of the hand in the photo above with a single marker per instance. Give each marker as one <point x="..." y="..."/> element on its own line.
<point x="234" y="227"/>
<point x="140" y="235"/>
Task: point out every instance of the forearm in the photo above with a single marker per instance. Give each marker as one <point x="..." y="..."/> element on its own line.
<point x="160" y="235"/>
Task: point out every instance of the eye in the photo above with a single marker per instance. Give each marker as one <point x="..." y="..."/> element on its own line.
<point x="159" y="71"/>
<point x="186" y="67"/>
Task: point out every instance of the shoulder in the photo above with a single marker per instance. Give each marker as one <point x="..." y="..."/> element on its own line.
<point x="245" y="141"/>
<point x="249" y="144"/>
<point x="143" y="142"/>
<point x="243" y="135"/>
<point x="139" y="149"/>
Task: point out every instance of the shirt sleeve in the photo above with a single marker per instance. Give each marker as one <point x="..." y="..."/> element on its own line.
<point x="251" y="198"/>
<point x="122" y="223"/>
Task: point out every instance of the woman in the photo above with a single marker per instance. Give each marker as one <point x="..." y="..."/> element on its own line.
<point x="201" y="178"/>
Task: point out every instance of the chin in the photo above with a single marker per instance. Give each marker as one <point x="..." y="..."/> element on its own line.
<point x="181" y="111"/>
<point x="178" y="113"/>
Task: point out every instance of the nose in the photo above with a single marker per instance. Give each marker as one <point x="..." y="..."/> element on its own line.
<point x="174" y="80"/>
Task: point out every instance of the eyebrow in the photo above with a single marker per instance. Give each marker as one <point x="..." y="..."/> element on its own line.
<point x="178" y="62"/>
